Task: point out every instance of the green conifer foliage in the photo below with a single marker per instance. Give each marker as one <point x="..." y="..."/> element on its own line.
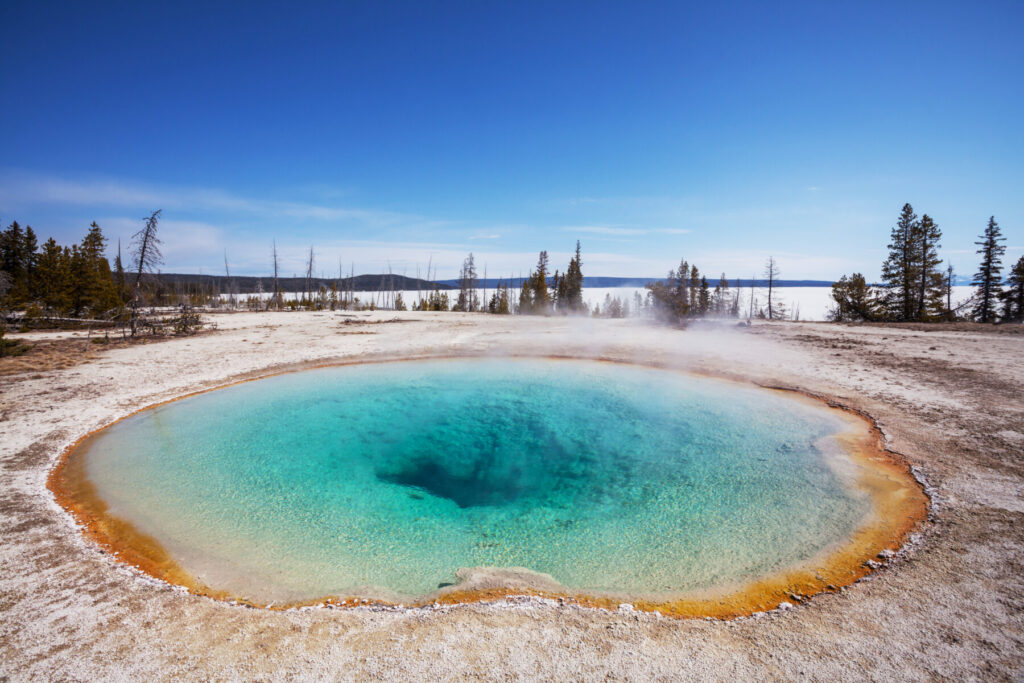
<point x="55" y="280"/>
<point x="1013" y="295"/>
<point x="900" y="271"/>
<point x="541" y="299"/>
<point x="926" y="238"/>
<point x="573" y="285"/>
<point x="987" y="278"/>
<point x="854" y="300"/>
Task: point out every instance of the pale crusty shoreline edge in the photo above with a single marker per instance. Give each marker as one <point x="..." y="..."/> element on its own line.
<point x="883" y="473"/>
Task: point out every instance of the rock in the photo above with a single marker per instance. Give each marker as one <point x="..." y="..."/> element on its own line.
<point x="887" y="554"/>
<point x="626" y="607"/>
<point x="784" y="606"/>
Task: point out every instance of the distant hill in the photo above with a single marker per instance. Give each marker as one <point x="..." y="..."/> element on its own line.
<point x="247" y="284"/>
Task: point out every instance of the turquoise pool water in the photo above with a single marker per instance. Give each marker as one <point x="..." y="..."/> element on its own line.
<point x="383" y="480"/>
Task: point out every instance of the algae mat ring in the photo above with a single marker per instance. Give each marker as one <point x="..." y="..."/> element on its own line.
<point x="452" y="480"/>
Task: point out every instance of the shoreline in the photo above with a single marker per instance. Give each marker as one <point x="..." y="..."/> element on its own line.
<point x="881" y="473"/>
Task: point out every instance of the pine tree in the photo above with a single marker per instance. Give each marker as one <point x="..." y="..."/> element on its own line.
<point x="926" y="238"/>
<point x="560" y="287"/>
<point x="853" y="299"/>
<point x="1013" y="295"/>
<point x="15" y="261"/>
<point x="526" y="296"/>
<point x="987" y="278"/>
<point x="53" y="278"/>
<point x="694" y="285"/>
<point x="704" y="297"/>
<point x="30" y="246"/>
<point x="573" y="279"/>
<point x="721" y="298"/>
<point x="683" y="294"/>
<point x="99" y="293"/>
<point x="468" y="299"/>
<point x="900" y="271"/>
<point x="120" y="281"/>
<point x="503" y="307"/>
<point x="947" y="285"/>
<point x="681" y="278"/>
<point x="541" y="300"/>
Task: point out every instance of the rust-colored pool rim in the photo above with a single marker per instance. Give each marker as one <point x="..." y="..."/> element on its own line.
<point x="900" y="504"/>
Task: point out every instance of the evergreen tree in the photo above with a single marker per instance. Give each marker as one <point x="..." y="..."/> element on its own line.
<point x="561" y="289"/>
<point x="541" y="300"/>
<point x="468" y="299"/>
<point x="53" y="275"/>
<point x="926" y="238"/>
<point x="681" y="279"/>
<point x="29" y="248"/>
<point x="900" y="269"/>
<point x="96" y="281"/>
<point x="694" y="285"/>
<point x="683" y="294"/>
<point x="499" y="303"/>
<point x="15" y="261"/>
<point x="987" y="278"/>
<point x="573" y="279"/>
<point x="437" y="301"/>
<point x="1013" y="295"/>
<point x="854" y="300"/>
<point x="721" y="299"/>
<point x="947" y="285"/>
<point x="504" y="306"/>
<point x="119" y="277"/>
<point x="526" y="296"/>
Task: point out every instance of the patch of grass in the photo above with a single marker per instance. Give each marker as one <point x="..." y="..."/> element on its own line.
<point x="12" y="348"/>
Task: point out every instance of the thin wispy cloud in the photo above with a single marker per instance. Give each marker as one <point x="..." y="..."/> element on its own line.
<point x="19" y="189"/>
<point x="603" y="230"/>
<point x="617" y="231"/>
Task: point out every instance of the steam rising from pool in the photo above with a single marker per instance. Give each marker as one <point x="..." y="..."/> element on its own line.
<point x="383" y="480"/>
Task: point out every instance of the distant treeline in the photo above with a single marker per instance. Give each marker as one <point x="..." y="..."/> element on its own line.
<point x="77" y="281"/>
<point x="54" y="282"/>
<point x="248" y="284"/>
<point x="916" y="286"/>
<point x="71" y="280"/>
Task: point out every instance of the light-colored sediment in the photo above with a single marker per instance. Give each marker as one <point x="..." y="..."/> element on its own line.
<point x="949" y="605"/>
<point x="898" y="505"/>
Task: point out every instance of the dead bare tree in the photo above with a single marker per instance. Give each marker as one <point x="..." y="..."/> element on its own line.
<point x="771" y="273"/>
<point x="309" y="275"/>
<point x="750" y="314"/>
<point x="276" y="296"/>
<point x="146" y="255"/>
<point x="231" y="286"/>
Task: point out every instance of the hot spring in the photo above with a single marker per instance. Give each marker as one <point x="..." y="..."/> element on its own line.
<point x="409" y="481"/>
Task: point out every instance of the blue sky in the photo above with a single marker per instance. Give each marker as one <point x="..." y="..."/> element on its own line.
<point x="396" y="132"/>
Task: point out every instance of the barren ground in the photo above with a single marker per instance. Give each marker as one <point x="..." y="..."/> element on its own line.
<point x="950" y="606"/>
